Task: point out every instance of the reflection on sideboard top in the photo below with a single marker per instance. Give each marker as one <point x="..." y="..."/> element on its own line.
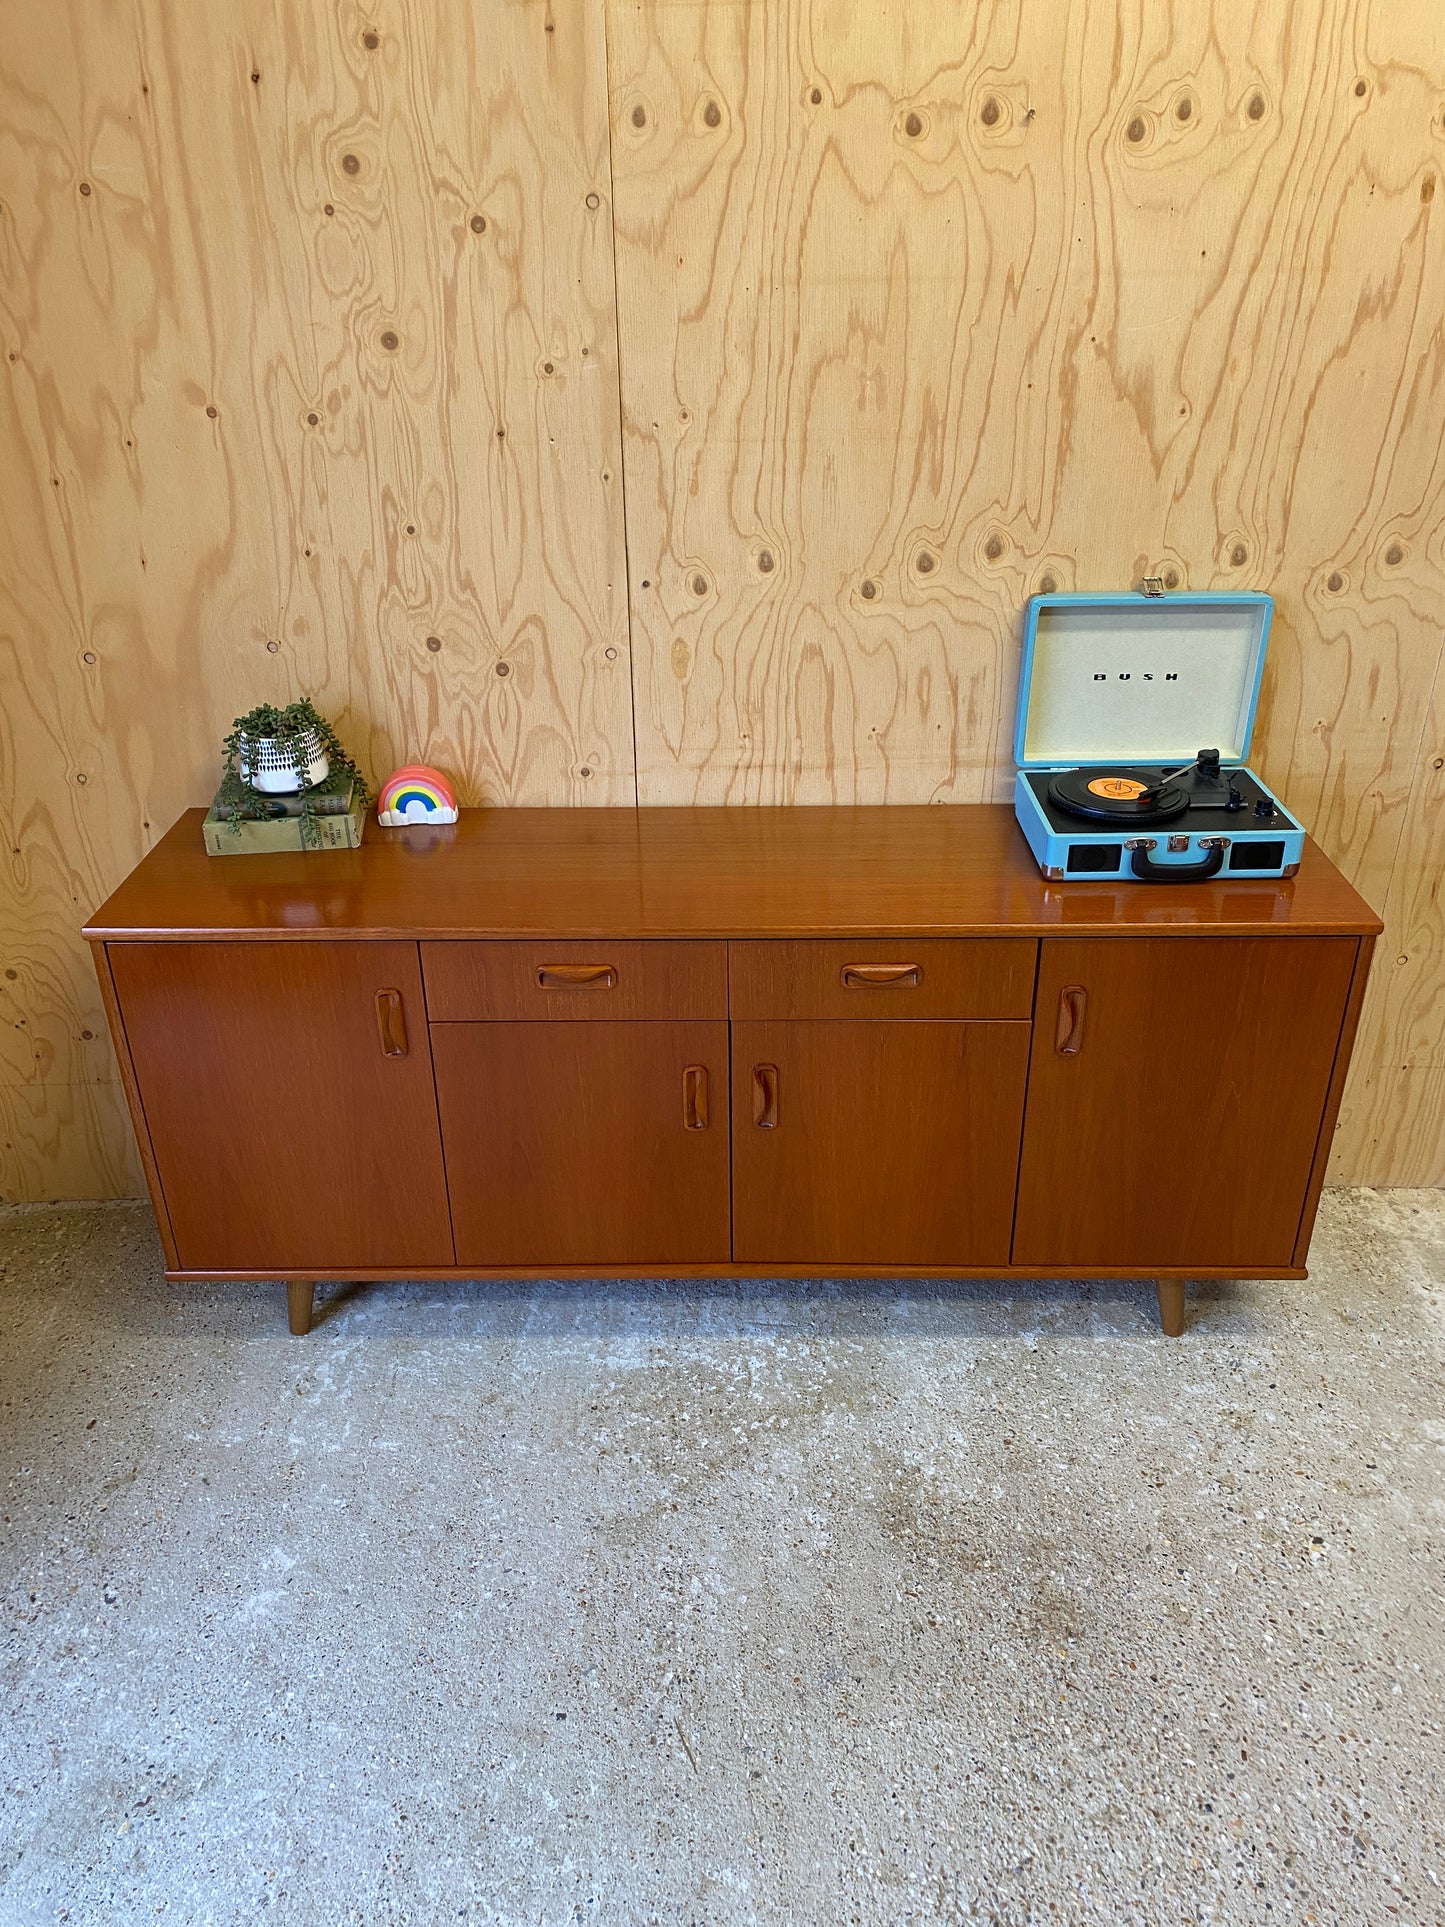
<point x="855" y="871"/>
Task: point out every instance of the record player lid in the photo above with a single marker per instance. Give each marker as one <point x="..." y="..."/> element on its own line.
<point x="1139" y="679"/>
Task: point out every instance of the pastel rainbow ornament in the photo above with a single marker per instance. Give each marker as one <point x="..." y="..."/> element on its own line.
<point x="416" y="794"/>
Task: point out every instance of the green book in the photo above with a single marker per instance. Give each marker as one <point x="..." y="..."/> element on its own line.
<point x="247" y="836"/>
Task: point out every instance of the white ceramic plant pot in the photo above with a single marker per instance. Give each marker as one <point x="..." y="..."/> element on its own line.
<point x="275" y="768"/>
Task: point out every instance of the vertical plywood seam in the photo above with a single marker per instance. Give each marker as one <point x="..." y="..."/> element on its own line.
<point x="621" y="417"/>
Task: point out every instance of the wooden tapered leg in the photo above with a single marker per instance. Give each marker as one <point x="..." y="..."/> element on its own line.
<point x="1171" y="1306"/>
<point x="299" y="1301"/>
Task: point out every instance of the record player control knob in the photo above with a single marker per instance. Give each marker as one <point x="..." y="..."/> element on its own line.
<point x="1265" y="806"/>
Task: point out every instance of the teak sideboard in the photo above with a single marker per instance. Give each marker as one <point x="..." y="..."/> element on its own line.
<point x="725" y="1042"/>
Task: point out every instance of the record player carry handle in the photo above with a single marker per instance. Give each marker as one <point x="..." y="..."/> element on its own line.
<point x="765" y="1096"/>
<point x="1069" y="1031"/>
<point x="1148" y="871"/>
<point x="880" y="976"/>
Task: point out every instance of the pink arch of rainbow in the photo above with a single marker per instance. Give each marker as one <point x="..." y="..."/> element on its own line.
<point x="416" y="784"/>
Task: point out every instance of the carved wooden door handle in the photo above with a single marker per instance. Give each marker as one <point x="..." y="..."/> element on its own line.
<point x="694" y="1098"/>
<point x="765" y="1096"/>
<point x="881" y="976"/>
<point x="576" y="976"/>
<point x="1069" y="1029"/>
<point x="391" y="1023"/>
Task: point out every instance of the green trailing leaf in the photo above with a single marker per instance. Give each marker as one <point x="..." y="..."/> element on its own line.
<point x="297" y="727"/>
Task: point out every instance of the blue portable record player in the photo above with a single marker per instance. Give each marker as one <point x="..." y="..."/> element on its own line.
<point x="1116" y="696"/>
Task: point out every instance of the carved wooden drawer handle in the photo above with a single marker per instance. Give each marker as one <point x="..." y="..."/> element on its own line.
<point x="881" y="976"/>
<point x="765" y="1096"/>
<point x="694" y="1098"/>
<point x="1069" y="1030"/>
<point x="576" y="976"/>
<point x="391" y="1023"/>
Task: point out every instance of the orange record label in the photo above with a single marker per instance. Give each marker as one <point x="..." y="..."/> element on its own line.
<point x="1121" y="789"/>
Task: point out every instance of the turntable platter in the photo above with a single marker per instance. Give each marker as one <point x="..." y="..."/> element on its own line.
<point x="1117" y="796"/>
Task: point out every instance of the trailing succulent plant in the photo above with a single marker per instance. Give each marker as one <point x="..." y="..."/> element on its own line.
<point x="288" y="740"/>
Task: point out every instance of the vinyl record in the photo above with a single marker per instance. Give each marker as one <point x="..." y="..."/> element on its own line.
<point x="1116" y="796"/>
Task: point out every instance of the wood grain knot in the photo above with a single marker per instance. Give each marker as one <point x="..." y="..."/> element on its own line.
<point x="81" y="777"/>
<point x="868" y="589"/>
<point x="85" y="187"/>
<point x="584" y="771"/>
<point x="548" y="368"/>
<point x="89" y="656"/>
<point x="639" y="115"/>
<point x="594" y="201"/>
<point x="351" y="163"/>
<point x="504" y="669"/>
<point x="1334" y="582"/>
<point x="328" y="209"/>
<point x="712" y="114"/>
<point x="1239" y="555"/>
<point x="478" y="224"/>
<point x="1427" y="188"/>
<point x="273" y="648"/>
<point x="313" y="418"/>
<point x="913" y="127"/>
<point x="389" y="340"/>
<point x="1394" y="554"/>
<point x="1135" y="130"/>
<point x="212" y="410"/>
<point x="699" y="585"/>
<point x="434" y="643"/>
<point x="1171" y="578"/>
<point x="1361" y="89"/>
<point x="816" y="96"/>
<point x="765" y="561"/>
<point x="990" y="111"/>
<point x="993" y="548"/>
<point x="255" y="78"/>
<point x="371" y="41"/>
<point x="1185" y="110"/>
<point x="926" y="562"/>
<point x="1255" y="109"/>
<point x="1047" y="585"/>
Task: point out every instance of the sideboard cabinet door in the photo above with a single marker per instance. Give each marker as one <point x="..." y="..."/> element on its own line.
<point x="1176" y="1091"/>
<point x="579" y="1143"/>
<point x="287" y="1090"/>
<point x="876" y="1143"/>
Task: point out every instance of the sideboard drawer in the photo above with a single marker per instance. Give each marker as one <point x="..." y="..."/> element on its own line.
<point x="585" y="980"/>
<point x="981" y="978"/>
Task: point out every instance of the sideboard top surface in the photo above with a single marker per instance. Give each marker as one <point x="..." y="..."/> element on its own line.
<point x="952" y="870"/>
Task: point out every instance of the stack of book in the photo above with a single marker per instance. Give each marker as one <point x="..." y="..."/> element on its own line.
<point x="321" y="818"/>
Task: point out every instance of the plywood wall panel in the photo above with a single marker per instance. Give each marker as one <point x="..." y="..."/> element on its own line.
<point x="925" y="310"/>
<point x="309" y="386"/>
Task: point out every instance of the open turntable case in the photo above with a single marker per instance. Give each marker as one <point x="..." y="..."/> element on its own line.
<point x="1116" y="696"/>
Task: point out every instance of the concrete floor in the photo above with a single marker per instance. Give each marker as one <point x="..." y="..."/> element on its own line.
<point x="721" y="1604"/>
